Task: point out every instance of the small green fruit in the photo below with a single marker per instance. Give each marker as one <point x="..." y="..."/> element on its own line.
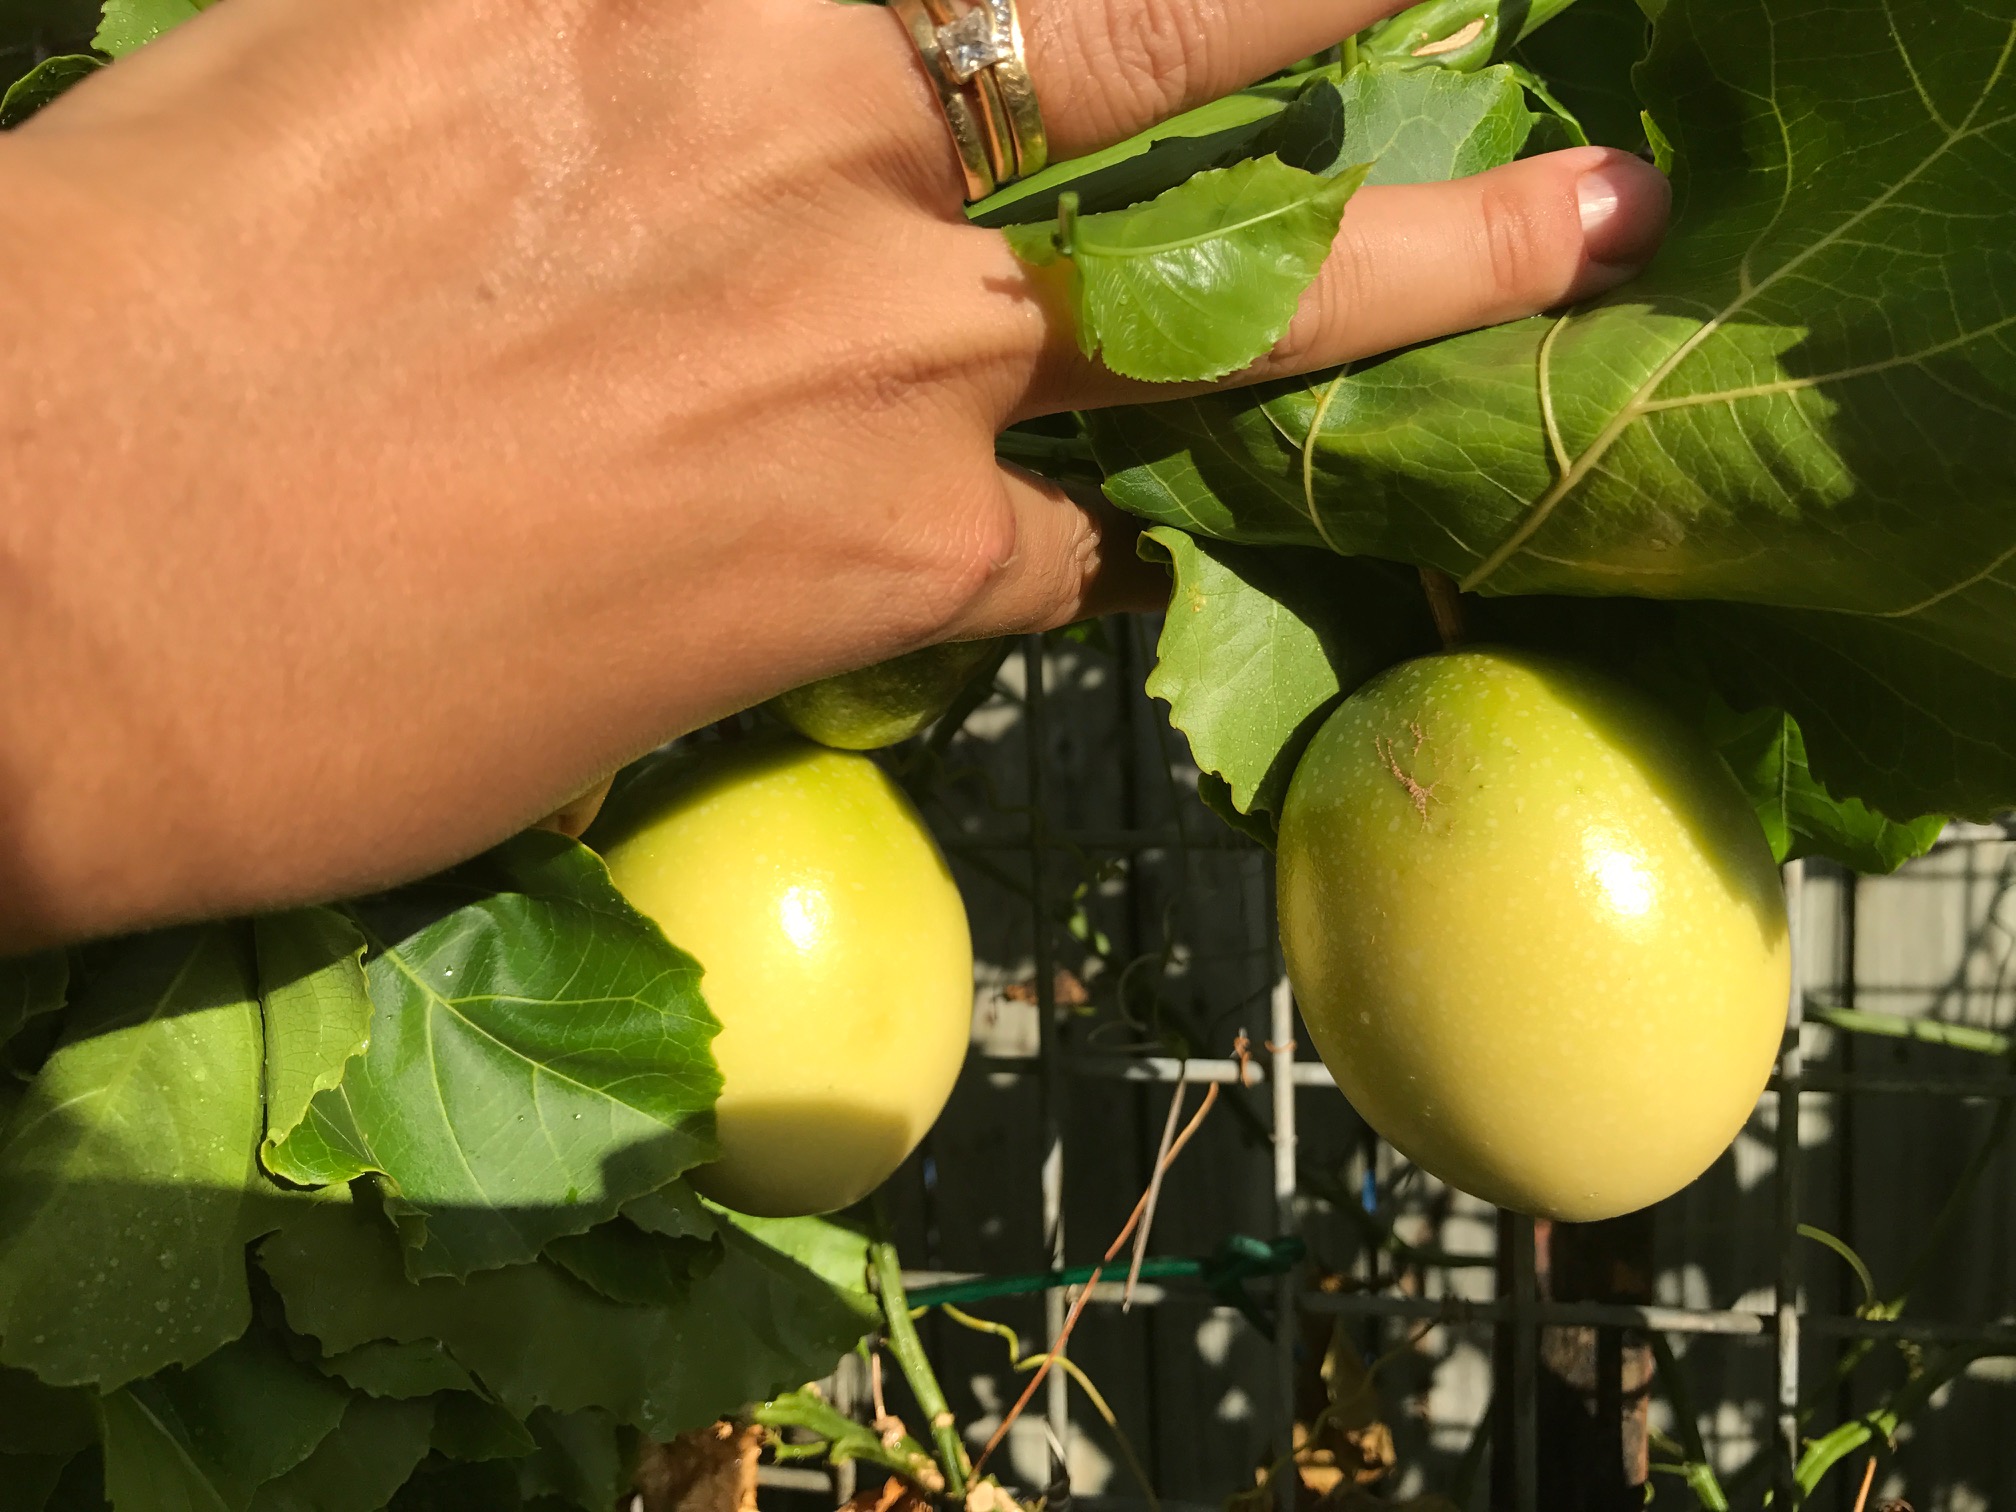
<point x="891" y="701"/>
<point x="836" y="956"/>
<point x="1535" y="931"/>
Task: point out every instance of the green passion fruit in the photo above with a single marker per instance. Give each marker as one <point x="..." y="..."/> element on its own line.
<point x="1534" y="929"/>
<point x="836" y="956"/>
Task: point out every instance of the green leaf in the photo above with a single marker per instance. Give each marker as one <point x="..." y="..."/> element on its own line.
<point x="1586" y="55"/>
<point x="538" y="1057"/>
<point x="1414" y="125"/>
<point x="536" y="1337"/>
<point x="128" y="1182"/>
<point x="359" y="1466"/>
<point x="28" y="1480"/>
<point x="43" y="1420"/>
<point x="43" y="83"/>
<point x="475" y="1428"/>
<point x="134" y="23"/>
<point x="831" y="1248"/>
<point x="626" y="1264"/>
<point x="80" y="1485"/>
<point x="1456" y="34"/>
<point x="1215" y="793"/>
<point x="1202" y="280"/>
<point x="582" y="1458"/>
<point x="1211" y="136"/>
<point x="1800" y="817"/>
<point x="445" y="1485"/>
<point x="1258" y="646"/>
<point x="316" y="1006"/>
<point x="405" y="1371"/>
<point x="1804" y="405"/>
<point x="31" y="986"/>
<point x="1906" y="726"/>
<point x="204" y="1439"/>
<point x="674" y="1211"/>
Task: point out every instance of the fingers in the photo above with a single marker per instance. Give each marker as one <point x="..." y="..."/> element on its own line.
<point x="1413" y="262"/>
<point x="1104" y="69"/>
<point x="1071" y="559"/>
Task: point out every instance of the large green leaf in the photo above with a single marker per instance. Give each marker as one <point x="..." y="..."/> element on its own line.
<point x="1258" y="645"/>
<point x="128" y="1180"/>
<point x="536" y="1337"/>
<point x="317" y="1009"/>
<point x="359" y="1465"/>
<point x="1202" y="280"/>
<point x="204" y="1439"/>
<point x="538" y="1056"/>
<point x="1805" y="403"/>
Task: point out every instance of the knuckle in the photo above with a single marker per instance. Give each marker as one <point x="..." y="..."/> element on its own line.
<point x="1520" y="256"/>
<point x="964" y="562"/>
<point x="1148" y="54"/>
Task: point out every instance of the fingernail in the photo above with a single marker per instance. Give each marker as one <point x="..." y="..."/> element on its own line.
<point x="1623" y="202"/>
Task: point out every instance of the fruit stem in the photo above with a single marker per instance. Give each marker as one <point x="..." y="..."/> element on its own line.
<point x="1445" y="603"/>
<point x="901" y="1330"/>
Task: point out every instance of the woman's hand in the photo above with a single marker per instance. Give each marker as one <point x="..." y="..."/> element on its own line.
<point x="417" y="409"/>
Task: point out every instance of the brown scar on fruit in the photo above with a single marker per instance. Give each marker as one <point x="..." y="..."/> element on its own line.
<point x="1417" y="794"/>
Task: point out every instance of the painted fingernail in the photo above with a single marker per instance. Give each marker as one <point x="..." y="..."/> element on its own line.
<point x="1623" y="202"/>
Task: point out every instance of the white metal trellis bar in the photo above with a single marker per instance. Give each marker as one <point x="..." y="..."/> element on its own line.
<point x="1281" y="1055"/>
<point x="1791" y="1067"/>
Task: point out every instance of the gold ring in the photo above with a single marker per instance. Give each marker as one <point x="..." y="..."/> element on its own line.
<point x="977" y="60"/>
<point x="969" y="134"/>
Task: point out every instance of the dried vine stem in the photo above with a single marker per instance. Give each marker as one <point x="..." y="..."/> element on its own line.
<point x="1056" y="1350"/>
<point x="1868" y="1479"/>
<point x="1154" y="1188"/>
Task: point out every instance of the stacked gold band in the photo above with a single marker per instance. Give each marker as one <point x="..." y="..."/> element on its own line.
<point x="977" y="63"/>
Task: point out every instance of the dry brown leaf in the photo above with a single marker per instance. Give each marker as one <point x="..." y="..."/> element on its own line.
<point x="988" y="1496"/>
<point x="892" y="1495"/>
<point x="711" y="1469"/>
